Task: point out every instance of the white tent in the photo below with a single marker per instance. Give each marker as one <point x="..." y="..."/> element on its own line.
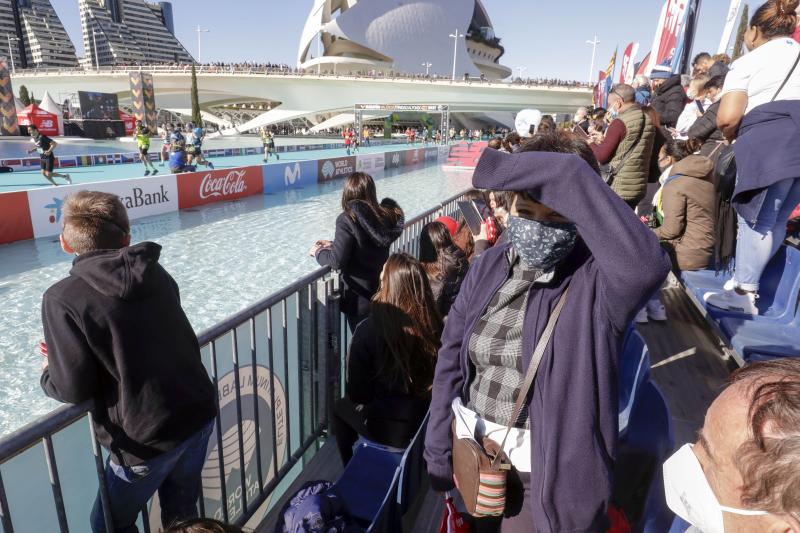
<point x="50" y="105"/>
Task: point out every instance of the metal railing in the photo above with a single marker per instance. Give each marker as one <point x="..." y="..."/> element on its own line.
<point x="278" y="368"/>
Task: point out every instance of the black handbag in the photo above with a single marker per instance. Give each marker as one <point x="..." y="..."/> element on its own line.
<point x="725" y="167"/>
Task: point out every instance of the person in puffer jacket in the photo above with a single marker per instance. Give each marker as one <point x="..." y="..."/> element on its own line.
<point x="364" y="232"/>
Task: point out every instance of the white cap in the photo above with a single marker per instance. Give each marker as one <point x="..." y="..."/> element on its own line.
<point x="525" y="119"/>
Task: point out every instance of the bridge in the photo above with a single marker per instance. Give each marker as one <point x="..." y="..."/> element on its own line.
<point x="290" y="95"/>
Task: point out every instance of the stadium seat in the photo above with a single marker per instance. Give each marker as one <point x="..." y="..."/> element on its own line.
<point x="634" y="369"/>
<point x="387" y="519"/>
<point x="412" y="469"/>
<point x="763" y="340"/>
<point x="367" y="479"/>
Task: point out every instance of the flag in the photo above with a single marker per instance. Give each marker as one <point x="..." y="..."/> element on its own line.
<point x="668" y="33"/>
<point x="599" y="90"/>
<point x="609" y="77"/>
<point x="641" y="68"/>
<point x="682" y="58"/>
<point x="733" y="11"/>
<point x="627" y="70"/>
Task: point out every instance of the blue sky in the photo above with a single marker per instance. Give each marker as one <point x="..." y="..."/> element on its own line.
<point x="545" y="36"/>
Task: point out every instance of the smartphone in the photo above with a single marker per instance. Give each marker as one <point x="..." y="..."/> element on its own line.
<point x="577" y="129"/>
<point x="472" y="215"/>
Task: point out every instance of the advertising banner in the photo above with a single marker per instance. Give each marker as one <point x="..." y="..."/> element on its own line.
<point x="394" y="159"/>
<point x="15" y="221"/>
<point x="627" y="71"/>
<point x="129" y="121"/>
<point x="290" y="175"/>
<point x="8" y="111"/>
<point x="673" y="15"/>
<point x="431" y="154"/>
<point x="335" y="168"/>
<point x="210" y="186"/>
<point x="143" y="98"/>
<point x="370" y="163"/>
<point x="46" y="122"/>
<point x="142" y="197"/>
<point x="730" y="21"/>
<point x="413" y="157"/>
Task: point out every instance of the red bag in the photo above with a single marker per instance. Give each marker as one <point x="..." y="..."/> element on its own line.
<point x="452" y="522"/>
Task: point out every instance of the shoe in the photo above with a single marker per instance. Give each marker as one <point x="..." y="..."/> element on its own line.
<point x="733" y="301"/>
<point x="68" y="179"/>
<point x="641" y="316"/>
<point x="656" y="311"/>
<point x="211" y="165"/>
<point x="146" y="172"/>
<point x="729" y="285"/>
<point x="154" y="172"/>
<point x="265" y="160"/>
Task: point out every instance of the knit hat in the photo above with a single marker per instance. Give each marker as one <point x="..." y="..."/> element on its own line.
<point x="525" y="119"/>
<point x="660" y="72"/>
<point x="450" y="223"/>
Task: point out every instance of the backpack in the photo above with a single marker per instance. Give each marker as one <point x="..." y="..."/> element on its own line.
<point x="315" y="508"/>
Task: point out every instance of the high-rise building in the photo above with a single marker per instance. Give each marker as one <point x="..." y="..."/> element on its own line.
<point x="36" y="35"/>
<point x="129" y="32"/>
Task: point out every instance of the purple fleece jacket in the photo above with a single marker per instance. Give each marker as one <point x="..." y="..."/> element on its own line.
<point x="613" y="270"/>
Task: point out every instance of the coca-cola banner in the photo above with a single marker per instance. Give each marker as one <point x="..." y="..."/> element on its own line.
<point x="200" y="188"/>
<point x="335" y="168"/>
<point x="142" y="197"/>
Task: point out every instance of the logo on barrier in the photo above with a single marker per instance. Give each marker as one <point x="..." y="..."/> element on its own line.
<point x="232" y="183"/>
<point x="199" y="188"/>
<point x="340" y="167"/>
<point x="292" y="174"/>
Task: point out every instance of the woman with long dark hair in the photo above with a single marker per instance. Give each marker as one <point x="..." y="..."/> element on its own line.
<point x="444" y="263"/>
<point x="364" y="232"/>
<point x="391" y="361"/>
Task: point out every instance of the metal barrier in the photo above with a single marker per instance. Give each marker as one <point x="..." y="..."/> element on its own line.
<point x="278" y="367"/>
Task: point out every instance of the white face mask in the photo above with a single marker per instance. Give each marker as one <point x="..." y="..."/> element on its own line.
<point x="690" y="496"/>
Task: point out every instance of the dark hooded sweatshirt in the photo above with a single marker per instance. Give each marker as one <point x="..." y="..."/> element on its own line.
<point x="360" y="248"/>
<point x="669" y="101"/>
<point x="612" y="271"/>
<point x="116" y="333"/>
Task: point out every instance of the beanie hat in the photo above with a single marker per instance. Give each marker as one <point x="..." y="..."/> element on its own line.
<point x="525" y="119"/>
<point x="660" y="72"/>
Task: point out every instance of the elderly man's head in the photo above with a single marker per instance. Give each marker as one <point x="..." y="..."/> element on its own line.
<point x="621" y="97"/>
<point x="749" y="456"/>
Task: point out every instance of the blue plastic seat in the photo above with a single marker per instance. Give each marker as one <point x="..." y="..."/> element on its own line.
<point x="763" y="340"/>
<point x="367" y="479"/>
<point x="388" y="517"/>
<point x="412" y="469"/>
<point x="634" y="370"/>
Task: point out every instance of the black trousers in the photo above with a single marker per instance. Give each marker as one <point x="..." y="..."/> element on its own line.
<point x="347" y="425"/>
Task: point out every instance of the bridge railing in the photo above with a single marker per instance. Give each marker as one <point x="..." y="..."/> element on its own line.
<point x="277" y="366"/>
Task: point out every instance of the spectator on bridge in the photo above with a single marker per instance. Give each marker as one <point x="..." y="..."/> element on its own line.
<point x="760" y="109"/>
<point x="627" y="146"/>
<point x="566" y="229"/>
<point x="743" y="473"/>
<point x="364" y="232"/>
<point x="391" y="361"/>
<point x="116" y="334"/>
<point x="445" y="264"/>
<point x="668" y="97"/>
<point x="642" y="85"/>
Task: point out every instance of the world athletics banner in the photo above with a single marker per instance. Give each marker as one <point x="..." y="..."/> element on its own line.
<point x="8" y="110"/>
<point x="143" y="98"/>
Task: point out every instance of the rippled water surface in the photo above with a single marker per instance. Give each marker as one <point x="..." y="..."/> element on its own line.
<point x="223" y="256"/>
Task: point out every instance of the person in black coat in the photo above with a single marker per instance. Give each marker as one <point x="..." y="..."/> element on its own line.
<point x="364" y="232"/>
<point x="391" y="361"/>
<point x="705" y="128"/>
<point x="669" y="98"/>
<point x="445" y="264"/>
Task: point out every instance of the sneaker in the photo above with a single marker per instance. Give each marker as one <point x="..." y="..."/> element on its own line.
<point x="641" y="316"/>
<point x="729" y="285"/>
<point x="733" y="301"/>
<point x="656" y="311"/>
<point x="154" y="172"/>
<point x="146" y="172"/>
<point x="211" y="165"/>
<point x="68" y="179"/>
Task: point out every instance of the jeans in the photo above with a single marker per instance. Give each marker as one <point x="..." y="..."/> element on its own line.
<point x="174" y="474"/>
<point x="757" y="244"/>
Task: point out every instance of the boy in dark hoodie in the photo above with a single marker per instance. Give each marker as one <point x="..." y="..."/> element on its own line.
<point x="116" y="334"/>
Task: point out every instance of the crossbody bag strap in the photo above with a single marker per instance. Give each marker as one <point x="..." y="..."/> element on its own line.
<point x="536" y="359"/>
<point x="633" y="146"/>
<point x="788" y="76"/>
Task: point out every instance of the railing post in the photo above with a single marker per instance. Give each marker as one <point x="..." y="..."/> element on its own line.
<point x="333" y="357"/>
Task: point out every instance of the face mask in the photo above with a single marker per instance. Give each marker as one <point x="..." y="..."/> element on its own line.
<point x="614" y="113"/>
<point x="691" y="96"/>
<point x="541" y="245"/>
<point x="690" y="496"/>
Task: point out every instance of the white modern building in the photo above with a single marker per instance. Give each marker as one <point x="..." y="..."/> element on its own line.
<point x="130" y="32"/>
<point x="36" y="35"/>
<point x="401" y="36"/>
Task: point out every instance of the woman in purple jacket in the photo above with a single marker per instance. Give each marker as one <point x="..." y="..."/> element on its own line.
<point x="567" y="228"/>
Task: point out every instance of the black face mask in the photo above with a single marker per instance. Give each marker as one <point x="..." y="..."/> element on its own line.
<point x="541" y="245"/>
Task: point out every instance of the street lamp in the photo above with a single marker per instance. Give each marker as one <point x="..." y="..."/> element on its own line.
<point x="199" y="31"/>
<point x="427" y="67"/>
<point x="455" y="36"/>
<point x="10" y="51"/>
<point x="594" y="44"/>
<point x="520" y="70"/>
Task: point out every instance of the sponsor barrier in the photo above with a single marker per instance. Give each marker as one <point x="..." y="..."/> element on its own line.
<point x="37" y="213"/>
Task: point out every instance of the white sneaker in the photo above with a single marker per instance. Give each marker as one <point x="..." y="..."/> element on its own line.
<point x="733" y="301"/>
<point x="729" y="285"/>
<point x="656" y="311"/>
<point x="641" y="316"/>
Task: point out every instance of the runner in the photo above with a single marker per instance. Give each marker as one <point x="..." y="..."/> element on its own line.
<point x="45" y="146"/>
<point x="262" y="132"/>
<point x="347" y="140"/>
<point x="412" y="135"/>
<point x="142" y="136"/>
<point x="367" y="135"/>
<point x="356" y="141"/>
<point x="177" y="159"/>
<point x="271" y="146"/>
<point x="195" y="150"/>
<point x="166" y="130"/>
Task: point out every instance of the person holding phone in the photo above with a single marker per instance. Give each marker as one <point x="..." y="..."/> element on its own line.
<point x="364" y="232"/>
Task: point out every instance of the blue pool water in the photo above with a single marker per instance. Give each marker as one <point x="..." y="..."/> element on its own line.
<point x="223" y="256"/>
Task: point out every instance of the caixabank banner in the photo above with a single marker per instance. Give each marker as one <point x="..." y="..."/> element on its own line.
<point x="143" y="197"/>
<point x="15" y="222"/>
<point x="291" y="175"/>
<point x="335" y="168"/>
<point x="210" y="186"/>
<point x="370" y="163"/>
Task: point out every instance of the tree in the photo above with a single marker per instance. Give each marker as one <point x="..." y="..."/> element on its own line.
<point x="33" y="99"/>
<point x="196" y="118"/>
<point x="24" y="97"/>
<point x="738" y="47"/>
